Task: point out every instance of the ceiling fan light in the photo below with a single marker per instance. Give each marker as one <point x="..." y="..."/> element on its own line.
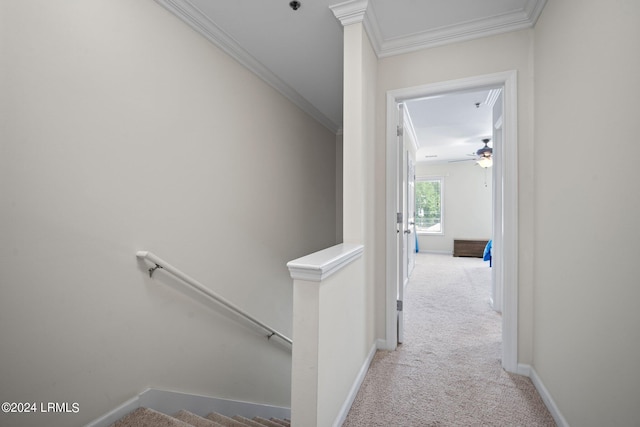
<point x="485" y="162"/>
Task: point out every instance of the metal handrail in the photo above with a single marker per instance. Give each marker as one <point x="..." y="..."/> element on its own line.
<point x="160" y="263"/>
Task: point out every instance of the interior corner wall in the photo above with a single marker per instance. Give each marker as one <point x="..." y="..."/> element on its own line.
<point x="512" y="51"/>
<point x="372" y="179"/>
<point x="124" y="130"/>
<point x="360" y="67"/>
<point x="586" y="334"/>
<point x="354" y="137"/>
<point x="467" y="205"/>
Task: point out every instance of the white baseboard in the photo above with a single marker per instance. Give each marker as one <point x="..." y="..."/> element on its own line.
<point x="524" y="370"/>
<point x="530" y="372"/>
<point x="169" y="402"/>
<point x="117" y="413"/>
<point x="383" y="344"/>
<point x="353" y="392"/>
<point x="435" y="252"/>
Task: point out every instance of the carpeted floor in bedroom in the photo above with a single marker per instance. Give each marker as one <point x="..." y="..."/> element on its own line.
<point x="447" y="372"/>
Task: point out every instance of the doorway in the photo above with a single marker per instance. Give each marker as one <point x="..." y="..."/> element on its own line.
<point x="505" y="223"/>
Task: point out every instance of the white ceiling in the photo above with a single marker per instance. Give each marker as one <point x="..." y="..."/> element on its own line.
<point x="451" y="127"/>
<point x="299" y="52"/>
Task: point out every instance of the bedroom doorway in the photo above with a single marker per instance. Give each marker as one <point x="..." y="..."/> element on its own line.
<point x="504" y="206"/>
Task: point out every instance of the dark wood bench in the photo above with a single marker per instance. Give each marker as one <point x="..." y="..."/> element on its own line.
<point x="469" y="247"/>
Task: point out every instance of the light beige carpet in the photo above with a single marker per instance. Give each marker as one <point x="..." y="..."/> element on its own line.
<point x="195" y="420"/>
<point x="145" y="417"/>
<point x="447" y="372"/>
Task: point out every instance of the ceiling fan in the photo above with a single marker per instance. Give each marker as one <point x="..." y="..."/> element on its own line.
<point x="484" y="155"/>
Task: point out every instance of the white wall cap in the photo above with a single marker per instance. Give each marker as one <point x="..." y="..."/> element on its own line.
<point x="322" y="264"/>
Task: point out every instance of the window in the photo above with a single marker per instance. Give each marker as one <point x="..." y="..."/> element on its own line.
<point x="429" y="206"/>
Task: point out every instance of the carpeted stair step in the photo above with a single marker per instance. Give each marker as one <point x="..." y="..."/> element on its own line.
<point x="283" y="423"/>
<point x="265" y="422"/>
<point x="144" y="417"/>
<point x="247" y="421"/>
<point x="225" y="421"/>
<point x="261" y="422"/>
<point x="195" y="420"/>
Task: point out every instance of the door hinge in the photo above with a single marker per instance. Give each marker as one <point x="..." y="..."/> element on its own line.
<point x="399" y="218"/>
<point x="399" y="305"/>
<point x="399" y="130"/>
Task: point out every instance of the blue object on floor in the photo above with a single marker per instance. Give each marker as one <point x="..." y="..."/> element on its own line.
<point x="487" y="252"/>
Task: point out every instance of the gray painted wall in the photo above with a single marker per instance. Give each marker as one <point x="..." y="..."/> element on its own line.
<point x="124" y="130"/>
<point x="587" y="246"/>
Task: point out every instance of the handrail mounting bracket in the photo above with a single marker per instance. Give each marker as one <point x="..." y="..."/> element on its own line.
<point x="152" y="269"/>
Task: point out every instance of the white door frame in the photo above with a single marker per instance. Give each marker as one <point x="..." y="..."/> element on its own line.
<point x="496" y="272"/>
<point x="401" y="237"/>
<point x="505" y="213"/>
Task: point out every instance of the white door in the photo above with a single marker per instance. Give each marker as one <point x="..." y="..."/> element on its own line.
<point x="400" y="225"/>
<point x="406" y="230"/>
<point x="410" y="210"/>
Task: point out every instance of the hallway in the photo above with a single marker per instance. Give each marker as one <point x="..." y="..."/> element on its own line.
<point x="447" y="372"/>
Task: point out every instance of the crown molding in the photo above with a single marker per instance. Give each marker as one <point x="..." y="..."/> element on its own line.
<point x="519" y="20"/>
<point x="197" y="20"/>
<point x="372" y="28"/>
<point x="350" y="12"/>
<point x="355" y="11"/>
